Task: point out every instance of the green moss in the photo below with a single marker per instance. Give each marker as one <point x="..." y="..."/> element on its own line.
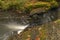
<point x="54" y="4"/>
<point x="47" y="5"/>
<point x="32" y="6"/>
<point x="20" y="4"/>
<point x="4" y="4"/>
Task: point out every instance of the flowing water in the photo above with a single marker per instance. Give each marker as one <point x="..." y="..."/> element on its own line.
<point x="9" y="23"/>
<point x="12" y="22"/>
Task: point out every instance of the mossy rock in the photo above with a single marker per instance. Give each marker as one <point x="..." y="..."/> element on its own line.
<point x="21" y="5"/>
<point x="43" y="5"/>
